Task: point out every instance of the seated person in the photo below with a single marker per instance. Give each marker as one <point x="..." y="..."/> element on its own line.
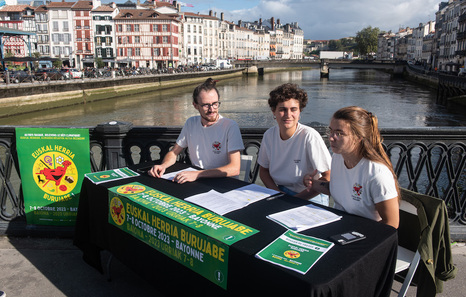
<point x="289" y="150"/>
<point x="362" y="181"/>
<point x="214" y="142"/>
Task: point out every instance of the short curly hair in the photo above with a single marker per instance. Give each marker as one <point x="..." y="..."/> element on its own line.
<point x="286" y="92"/>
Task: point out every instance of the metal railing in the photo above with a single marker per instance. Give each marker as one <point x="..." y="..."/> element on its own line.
<point x="427" y="160"/>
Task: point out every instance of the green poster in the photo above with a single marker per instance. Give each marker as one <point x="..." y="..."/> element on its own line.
<point x="189" y="234"/>
<point x="295" y="251"/>
<point x="52" y="163"/>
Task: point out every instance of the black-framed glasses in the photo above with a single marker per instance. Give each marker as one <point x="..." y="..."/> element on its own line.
<point x="214" y="105"/>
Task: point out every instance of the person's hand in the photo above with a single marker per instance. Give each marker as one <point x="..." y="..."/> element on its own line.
<point x="309" y="178"/>
<point x="186" y="176"/>
<point x="156" y="171"/>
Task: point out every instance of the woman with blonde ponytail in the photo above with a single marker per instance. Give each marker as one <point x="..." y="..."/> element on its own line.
<point x="362" y="180"/>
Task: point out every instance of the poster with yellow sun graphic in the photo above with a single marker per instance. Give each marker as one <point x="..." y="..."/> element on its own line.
<point x="52" y="164"/>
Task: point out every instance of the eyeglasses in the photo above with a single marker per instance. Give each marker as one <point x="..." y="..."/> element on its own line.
<point x="214" y="105"/>
<point x="334" y="134"/>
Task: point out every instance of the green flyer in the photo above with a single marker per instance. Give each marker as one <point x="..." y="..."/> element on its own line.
<point x="110" y="175"/>
<point x="52" y="163"/>
<point x="187" y="233"/>
<point x="295" y="251"/>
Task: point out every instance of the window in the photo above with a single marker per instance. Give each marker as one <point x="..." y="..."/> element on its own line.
<point x="155" y="28"/>
<point x="128" y="28"/>
<point x="98" y="41"/>
<point x="120" y="28"/>
<point x="137" y="51"/>
<point x="55" y="26"/>
<point x="65" y="26"/>
<point x="99" y="52"/>
<point x="165" y="28"/>
<point x="165" y="39"/>
<point x="156" y="52"/>
<point x="120" y="52"/>
<point x="136" y="28"/>
<point x="108" y="40"/>
<point x="130" y="51"/>
<point x="108" y="52"/>
<point x="137" y="39"/>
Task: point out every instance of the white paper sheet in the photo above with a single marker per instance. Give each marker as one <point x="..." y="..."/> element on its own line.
<point x="171" y="175"/>
<point x="304" y="217"/>
<point x="232" y="200"/>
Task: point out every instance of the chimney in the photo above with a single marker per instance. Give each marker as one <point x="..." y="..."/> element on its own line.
<point x="272" y="21"/>
<point x="240" y="22"/>
<point x="278" y="23"/>
<point x="260" y="22"/>
<point x="221" y="17"/>
<point x="210" y="12"/>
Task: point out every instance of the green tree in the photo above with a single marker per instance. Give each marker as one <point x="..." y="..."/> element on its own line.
<point x="99" y="62"/>
<point x="366" y="40"/>
<point x="57" y="63"/>
<point x="37" y="56"/>
<point x="335" y="45"/>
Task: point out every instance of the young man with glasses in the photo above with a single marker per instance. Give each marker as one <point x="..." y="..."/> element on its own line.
<point x="214" y="142"/>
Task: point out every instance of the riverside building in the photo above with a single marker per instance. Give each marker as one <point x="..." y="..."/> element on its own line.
<point x="152" y="34"/>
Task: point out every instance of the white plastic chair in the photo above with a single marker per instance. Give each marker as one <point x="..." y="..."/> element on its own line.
<point x="245" y="169"/>
<point x="407" y="259"/>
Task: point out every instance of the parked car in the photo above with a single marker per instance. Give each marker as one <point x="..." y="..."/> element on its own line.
<point x="19" y="76"/>
<point x="71" y="73"/>
<point x="48" y="74"/>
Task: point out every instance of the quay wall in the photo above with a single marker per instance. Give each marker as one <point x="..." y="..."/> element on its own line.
<point x="19" y="99"/>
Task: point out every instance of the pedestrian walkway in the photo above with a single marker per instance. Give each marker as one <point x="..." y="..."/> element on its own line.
<point x="54" y="268"/>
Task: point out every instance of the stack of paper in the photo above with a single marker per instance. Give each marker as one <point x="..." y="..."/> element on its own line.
<point x="232" y="200"/>
<point x="304" y="217"/>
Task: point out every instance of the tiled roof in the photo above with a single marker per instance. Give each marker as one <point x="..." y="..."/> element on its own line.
<point x="60" y="4"/>
<point x="141" y="14"/>
<point x="82" y="5"/>
<point x="14" y="8"/>
<point x="192" y="14"/>
<point x="104" y="8"/>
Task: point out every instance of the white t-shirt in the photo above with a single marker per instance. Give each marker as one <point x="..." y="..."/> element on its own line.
<point x="358" y="189"/>
<point x="289" y="160"/>
<point x="209" y="146"/>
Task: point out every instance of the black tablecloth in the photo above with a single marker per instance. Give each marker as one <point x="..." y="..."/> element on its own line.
<point x="364" y="268"/>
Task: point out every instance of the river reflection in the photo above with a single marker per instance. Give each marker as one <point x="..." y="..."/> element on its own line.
<point x="396" y="102"/>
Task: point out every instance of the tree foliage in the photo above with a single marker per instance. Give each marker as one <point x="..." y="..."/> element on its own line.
<point x="366" y="40"/>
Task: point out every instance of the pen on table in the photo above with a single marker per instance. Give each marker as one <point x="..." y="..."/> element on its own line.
<point x="275" y="196"/>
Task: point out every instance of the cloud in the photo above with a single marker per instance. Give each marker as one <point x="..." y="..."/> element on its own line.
<point x="334" y="19"/>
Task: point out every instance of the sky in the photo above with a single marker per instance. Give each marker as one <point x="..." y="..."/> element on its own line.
<point x="324" y="19"/>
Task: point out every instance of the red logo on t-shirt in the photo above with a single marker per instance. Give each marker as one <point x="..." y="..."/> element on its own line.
<point x="357" y="192"/>
<point x="216" y="146"/>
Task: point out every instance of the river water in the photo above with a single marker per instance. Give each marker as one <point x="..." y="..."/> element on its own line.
<point x="396" y="102"/>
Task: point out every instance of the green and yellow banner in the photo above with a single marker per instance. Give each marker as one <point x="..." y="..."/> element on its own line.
<point x="189" y="234"/>
<point x="52" y="164"/>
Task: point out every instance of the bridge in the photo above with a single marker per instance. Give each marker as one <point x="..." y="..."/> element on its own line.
<point x="395" y="67"/>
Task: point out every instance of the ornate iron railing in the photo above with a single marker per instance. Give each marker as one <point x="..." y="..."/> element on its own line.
<point x="426" y="160"/>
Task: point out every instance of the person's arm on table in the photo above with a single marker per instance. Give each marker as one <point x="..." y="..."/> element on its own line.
<point x="317" y="185"/>
<point x="389" y="212"/>
<point x="313" y="191"/>
<point x="231" y="169"/>
<point x="267" y="179"/>
<point x="168" y="160"/>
